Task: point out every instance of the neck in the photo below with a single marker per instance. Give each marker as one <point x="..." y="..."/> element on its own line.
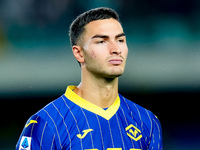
<point x="99" y="91"/>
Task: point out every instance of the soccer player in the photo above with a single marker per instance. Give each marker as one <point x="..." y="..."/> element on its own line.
<point x="92" y="115"/>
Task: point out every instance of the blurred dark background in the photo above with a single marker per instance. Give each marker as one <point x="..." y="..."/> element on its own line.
<point x="162" y="72"/>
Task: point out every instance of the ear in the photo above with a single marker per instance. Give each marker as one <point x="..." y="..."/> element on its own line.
<point x="78" y="53"/>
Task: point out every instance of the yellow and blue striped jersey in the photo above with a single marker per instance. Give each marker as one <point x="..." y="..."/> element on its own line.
<point x="72" y="123"/>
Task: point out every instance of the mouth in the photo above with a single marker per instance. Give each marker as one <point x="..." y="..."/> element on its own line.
<point x="115" y="61"/>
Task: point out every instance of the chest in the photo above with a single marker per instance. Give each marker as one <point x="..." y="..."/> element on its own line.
<point x="89" y="131"/>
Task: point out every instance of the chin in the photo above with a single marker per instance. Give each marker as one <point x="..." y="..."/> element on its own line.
<point x="114" y="75"/>
<point x="116" y="71"/>
<point x="111" y="73"/>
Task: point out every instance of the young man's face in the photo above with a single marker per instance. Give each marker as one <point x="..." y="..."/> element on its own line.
<point x="104" y="48"/>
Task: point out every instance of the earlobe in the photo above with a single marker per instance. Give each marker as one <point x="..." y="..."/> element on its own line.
<point x="78" y="53"/>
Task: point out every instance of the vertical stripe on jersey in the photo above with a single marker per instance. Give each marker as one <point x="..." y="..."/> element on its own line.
<point x="55" y="127"/>
<point x="151" y="126"/>
<point x="74" y="120"/>
<point x="128" y="107"/>
<point x="120" y="132"/>
<point x="64" y="124"/>
<point x="153" y="138"/>
<point x="88" y="127"/>
<point x="111" y="134"/>
<point x="158" y="128"/>
<point x="126" y="122"/>
<point x="100" y="131"/>
<point x="132" y="118"/>
<point x="139" y="116"/>
<point x="52" y="142"/>
<point x="158" y="132"/>
<point x="42" y="135"/>
<point x="33" y="127"/>
<point x="141" y="122"/>
<point x="124" y="116"/>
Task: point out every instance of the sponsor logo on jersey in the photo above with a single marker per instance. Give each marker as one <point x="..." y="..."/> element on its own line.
<point x="133" y="132"/>
<point x="85" y="132"/>
<point x="30" y="122"/>
<point x="25" y="143"/>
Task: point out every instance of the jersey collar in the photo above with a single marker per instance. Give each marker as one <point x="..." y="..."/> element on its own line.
<point x="107" y="114"/>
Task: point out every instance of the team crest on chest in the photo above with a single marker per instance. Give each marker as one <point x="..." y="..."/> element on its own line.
<point x="133" y="132"/>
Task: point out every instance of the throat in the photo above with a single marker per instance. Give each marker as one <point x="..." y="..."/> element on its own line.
<point x="101" y="97"/>
<point x="98" y="90"/>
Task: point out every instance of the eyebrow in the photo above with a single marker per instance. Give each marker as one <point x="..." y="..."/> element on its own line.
<point x="120" y="35"/>
<point x="106" y="36"/>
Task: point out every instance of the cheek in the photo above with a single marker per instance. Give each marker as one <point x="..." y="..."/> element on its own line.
<point x="97" y="56"/>
<point x="93" y="55"/>
<point x="91" y="58"/>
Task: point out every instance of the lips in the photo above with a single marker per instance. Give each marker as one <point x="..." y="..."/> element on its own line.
<point x="117" y="61"/>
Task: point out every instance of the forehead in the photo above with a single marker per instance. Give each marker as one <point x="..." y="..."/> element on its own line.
<point x="110" y="27"/>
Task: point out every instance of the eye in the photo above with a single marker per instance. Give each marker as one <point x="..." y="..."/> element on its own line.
<point x="100" y="42"/>
<point x="120" y="40"/>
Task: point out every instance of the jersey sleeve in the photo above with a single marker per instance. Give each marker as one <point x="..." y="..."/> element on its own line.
<point x="36" y="134"/>
<point x="156" y="135"/>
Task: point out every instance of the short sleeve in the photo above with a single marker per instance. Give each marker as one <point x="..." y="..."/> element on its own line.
<point x="156" y="135"/>
<point x="36" y="135"/>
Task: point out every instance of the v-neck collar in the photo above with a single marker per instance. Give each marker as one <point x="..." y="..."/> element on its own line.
<point x="107" y="114"/>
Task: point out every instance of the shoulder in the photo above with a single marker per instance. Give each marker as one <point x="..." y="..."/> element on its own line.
<point x="144" y="119"/>
<point x="44" y="126"/>
<point x="141" y="115"/>
<point x="35" y="131"/>
<point x="55" y="111"/>
<point x="47" y="117"/>
<point x="135" y="108"/>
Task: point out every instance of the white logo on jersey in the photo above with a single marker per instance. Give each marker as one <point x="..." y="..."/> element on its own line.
<point x="25" y="143"/>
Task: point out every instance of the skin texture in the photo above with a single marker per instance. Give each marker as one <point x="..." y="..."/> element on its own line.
<point x="102" y="53"/>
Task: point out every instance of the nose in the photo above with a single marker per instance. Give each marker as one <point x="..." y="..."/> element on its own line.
<point x="114" y="48"/>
